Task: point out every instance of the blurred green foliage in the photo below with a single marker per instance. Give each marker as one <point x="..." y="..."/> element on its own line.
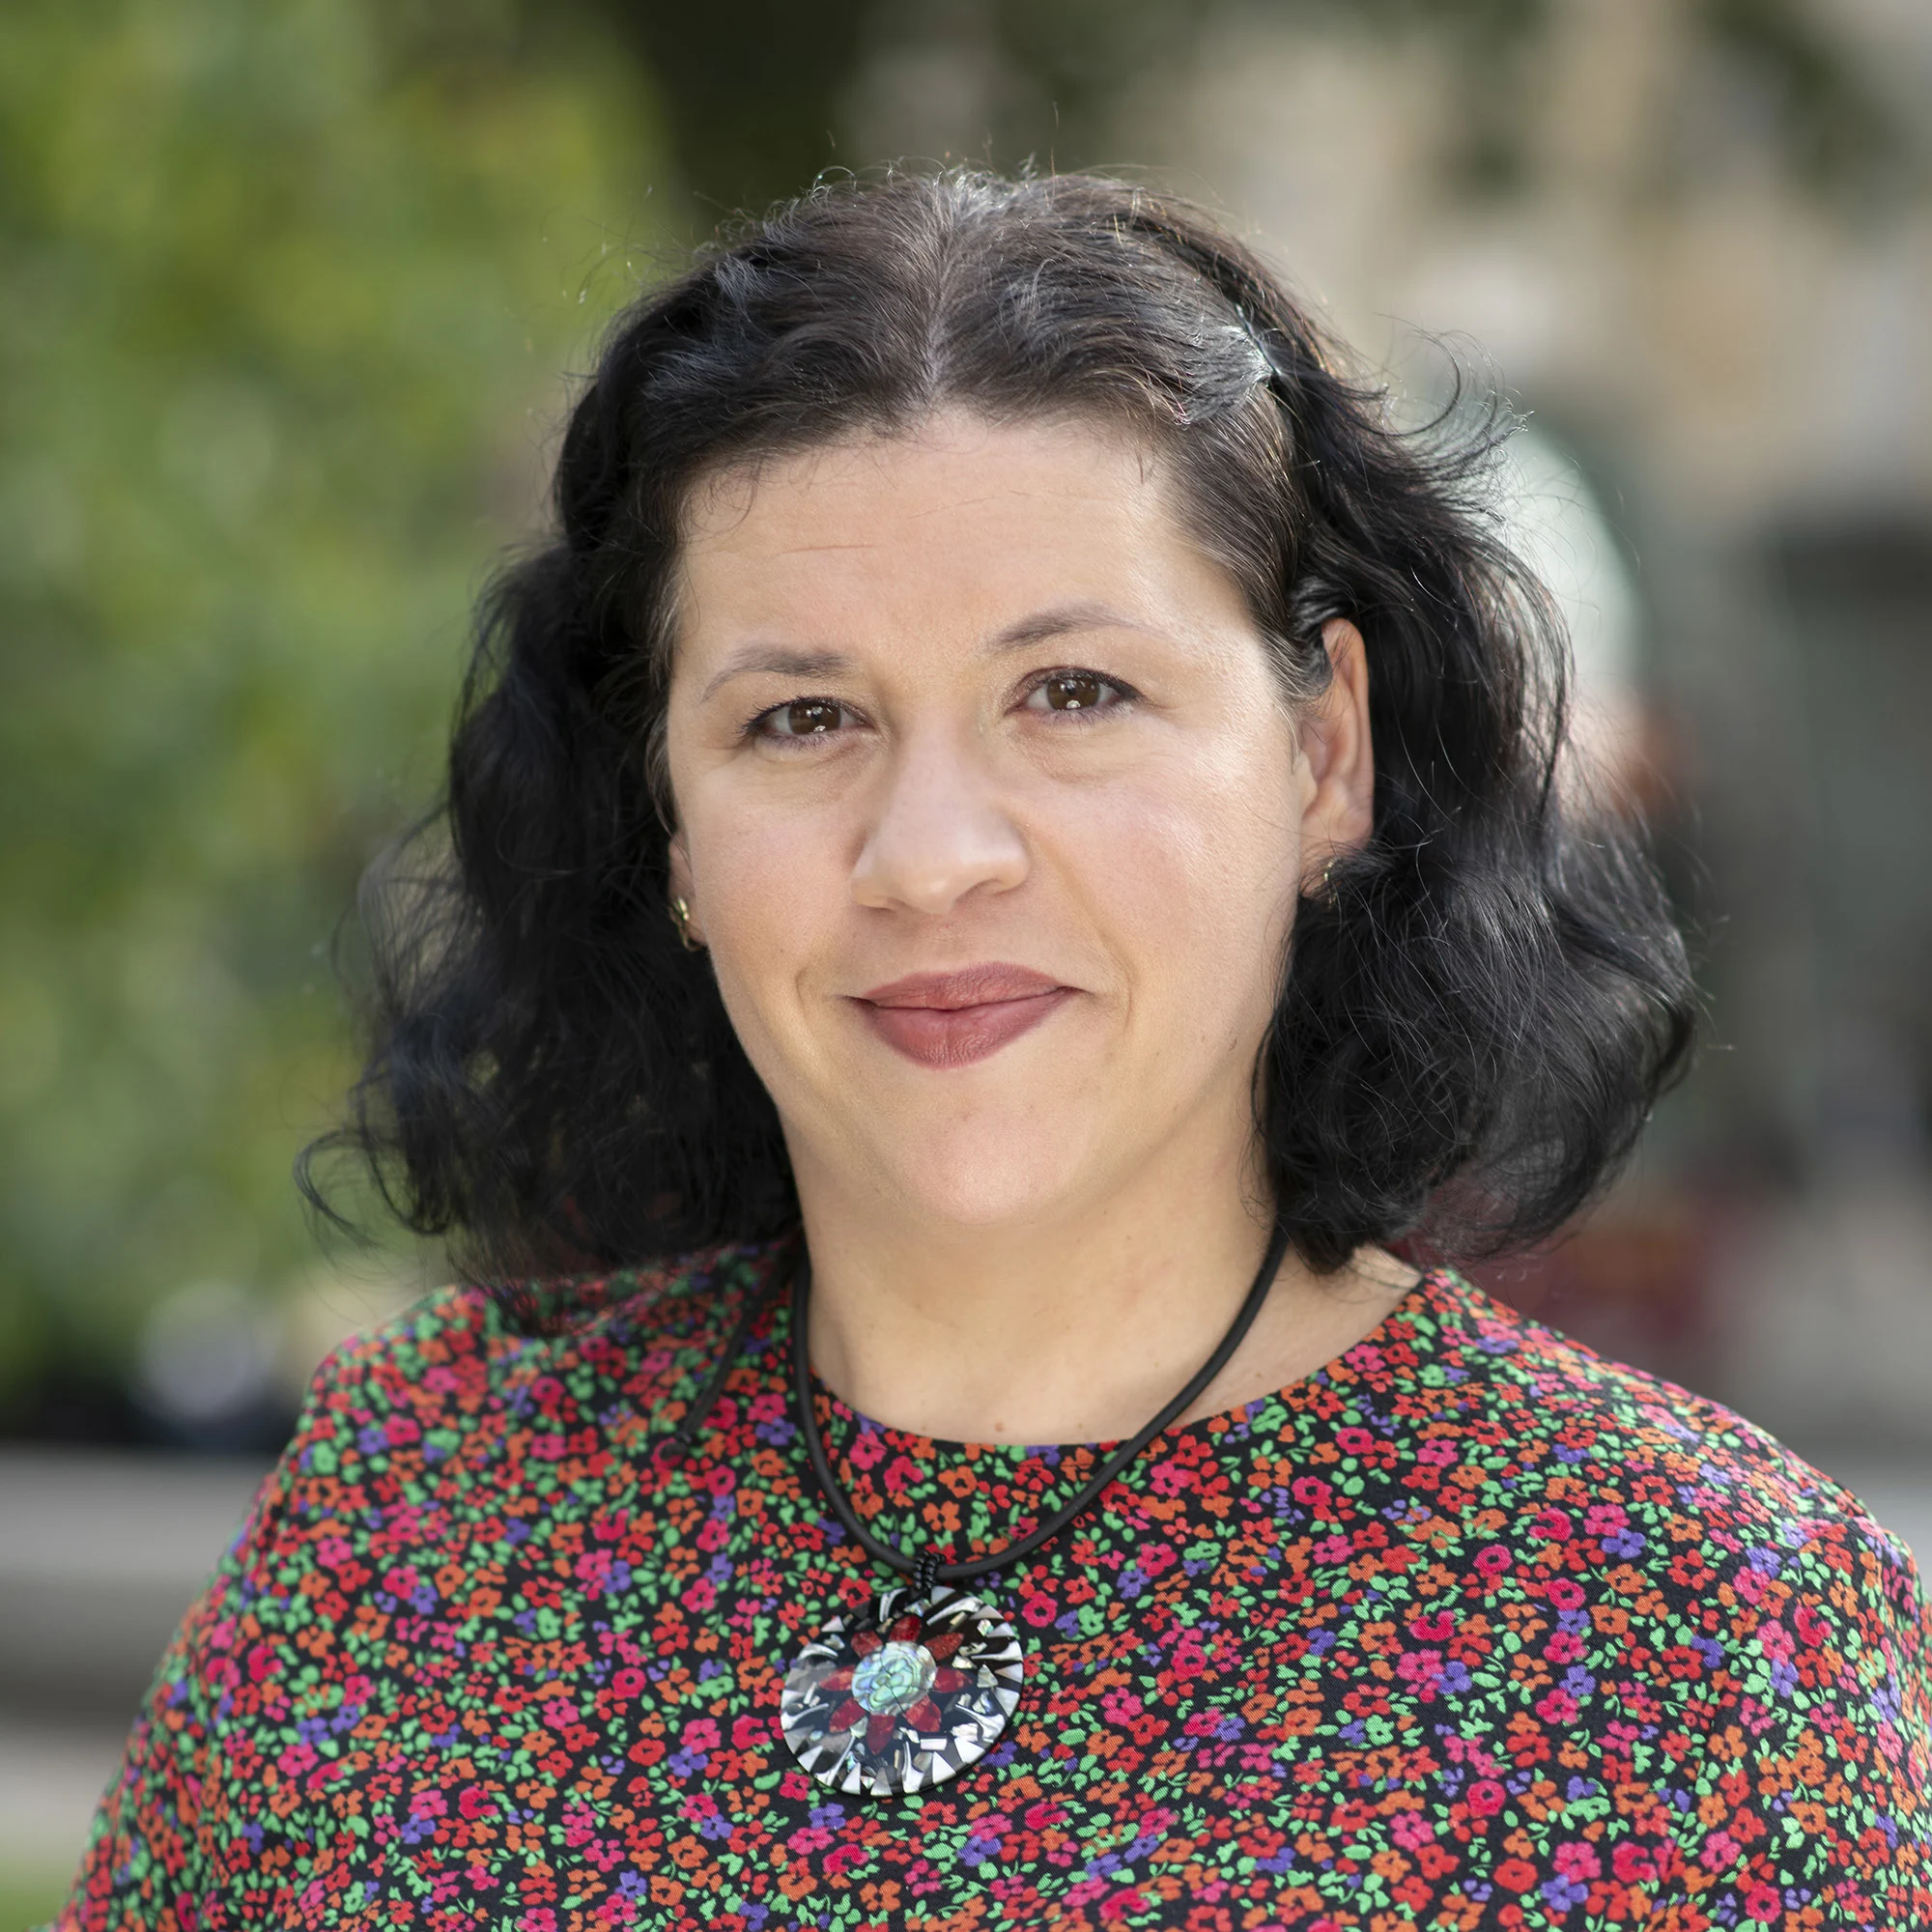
<point x="289" y="288"/>
<point x="33" y="1897"/>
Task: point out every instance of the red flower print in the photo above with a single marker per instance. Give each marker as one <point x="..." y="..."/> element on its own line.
<point x="505" y="1672"/>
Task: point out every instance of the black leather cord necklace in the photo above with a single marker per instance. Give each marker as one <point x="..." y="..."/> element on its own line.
<point x="909" y="1692"/>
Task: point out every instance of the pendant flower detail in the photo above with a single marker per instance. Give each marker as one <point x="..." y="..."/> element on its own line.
<point x="896" y="1675"/>
<point x="901" y="1696"/>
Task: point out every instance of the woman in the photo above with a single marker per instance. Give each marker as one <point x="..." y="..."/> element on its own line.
<point x="1016" y="830"/>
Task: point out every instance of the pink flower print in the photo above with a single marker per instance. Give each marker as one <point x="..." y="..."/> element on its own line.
<point x="1720" y="1849"/>
<point x="1423" y="1668"/>
<point x="1169" y="1477"/>
<point x="1579" y="1860"/>
<point x="1410" y="1829"/>
<point x="1556" y="1707"/>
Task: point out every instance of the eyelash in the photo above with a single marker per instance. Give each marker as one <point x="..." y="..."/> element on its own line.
<point x="1124" y="695"/>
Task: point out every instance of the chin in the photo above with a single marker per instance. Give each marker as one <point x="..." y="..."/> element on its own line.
<point x="985" y="1181"/>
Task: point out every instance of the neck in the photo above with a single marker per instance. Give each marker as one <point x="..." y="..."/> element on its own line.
<point x="1073" y="1328"/>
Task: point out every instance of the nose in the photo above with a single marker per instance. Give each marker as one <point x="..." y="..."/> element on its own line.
<point x="939" y="833"/>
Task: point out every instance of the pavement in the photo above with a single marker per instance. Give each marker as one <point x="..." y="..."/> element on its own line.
<point x="100" y="1552"/>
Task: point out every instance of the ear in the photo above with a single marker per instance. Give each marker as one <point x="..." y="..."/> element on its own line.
<point x="1334" y="735"/>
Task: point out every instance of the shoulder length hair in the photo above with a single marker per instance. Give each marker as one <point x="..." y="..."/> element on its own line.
<point x="1474" y="1017"/>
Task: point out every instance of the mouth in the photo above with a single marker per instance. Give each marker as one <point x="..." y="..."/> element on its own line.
<point x="952" y="1019"/>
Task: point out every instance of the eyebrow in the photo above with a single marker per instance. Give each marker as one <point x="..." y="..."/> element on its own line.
<point x="1060" y="620"/>
<point x="779" y="662"/>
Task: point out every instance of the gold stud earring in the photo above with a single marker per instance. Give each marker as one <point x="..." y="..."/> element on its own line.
<point x="680" y="916"/>
<point x="1328" y="883"/>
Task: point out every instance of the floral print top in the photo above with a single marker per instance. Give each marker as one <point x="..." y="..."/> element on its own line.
<point x="1471" y="1628"/>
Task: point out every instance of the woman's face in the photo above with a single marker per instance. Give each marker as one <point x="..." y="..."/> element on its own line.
<point x="992" y="815"/>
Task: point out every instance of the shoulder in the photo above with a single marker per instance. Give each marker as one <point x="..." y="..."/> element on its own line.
<point x="424" y="1423"/>
<point x="1728" y="1624"/>
<point x="530" y="1354"/>
<point x="499" y="1329"/>
<point x="1557" y="1406"/>
<point x="1684" y="1520"/>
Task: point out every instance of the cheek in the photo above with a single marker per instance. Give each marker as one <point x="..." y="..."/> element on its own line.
<point x="769" y="882"/>
<point x="1199" y="862"/>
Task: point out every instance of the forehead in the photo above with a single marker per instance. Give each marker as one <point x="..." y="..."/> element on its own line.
<point x="943" y="453"/>
<point x="961" y="511"/>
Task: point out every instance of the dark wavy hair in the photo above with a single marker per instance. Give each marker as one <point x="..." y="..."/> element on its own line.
<point x="1473" y="1022"/>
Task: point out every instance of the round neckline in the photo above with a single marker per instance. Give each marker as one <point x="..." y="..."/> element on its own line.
<point x="1424" y="1293"/>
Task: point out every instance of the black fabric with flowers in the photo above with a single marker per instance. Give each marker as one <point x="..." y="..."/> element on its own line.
<point x="1470" y="1629"/>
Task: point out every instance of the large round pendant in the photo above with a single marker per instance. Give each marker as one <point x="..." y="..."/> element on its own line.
<point x="902" y="1695"/>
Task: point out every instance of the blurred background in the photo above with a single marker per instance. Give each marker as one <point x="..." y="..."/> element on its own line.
<point x="293" y="292"/>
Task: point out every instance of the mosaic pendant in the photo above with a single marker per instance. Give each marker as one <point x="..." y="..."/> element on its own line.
<point x="902" y="1695"/>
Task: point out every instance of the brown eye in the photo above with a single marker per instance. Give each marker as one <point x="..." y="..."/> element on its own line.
<point x="1073" y="691"/>
<point x="804" y="717"/>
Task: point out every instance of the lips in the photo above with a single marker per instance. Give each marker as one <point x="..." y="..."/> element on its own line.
<point x="952" y="1019"/>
